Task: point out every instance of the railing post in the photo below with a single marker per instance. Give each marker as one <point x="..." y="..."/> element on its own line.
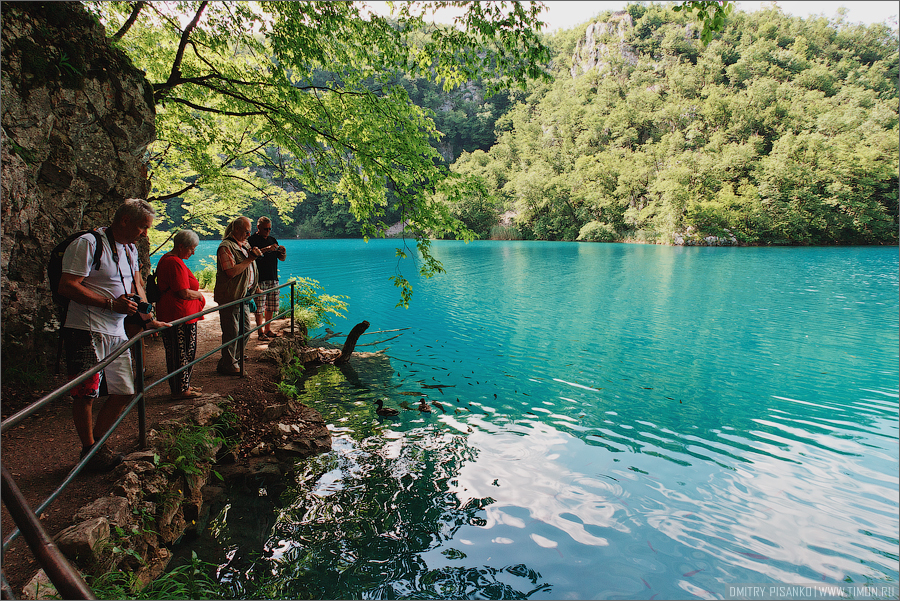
<point x="241" y="329"/>
<point x="142" y="405"/>
<point x="292" y="306"/>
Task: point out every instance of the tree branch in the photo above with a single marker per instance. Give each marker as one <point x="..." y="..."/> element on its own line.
<point x="185" y="221"/>
<point x="173" y="194"/>
<point x="156" y="250"/>
<point x="175" y="74"/>
<point x="350" y="343"/>
<point x="248" y="182"/>
<point x="206" y="109"/>
<point x="131" y="19"/>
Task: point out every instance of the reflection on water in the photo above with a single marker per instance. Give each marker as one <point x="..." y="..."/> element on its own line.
<point x="618" y="421"/>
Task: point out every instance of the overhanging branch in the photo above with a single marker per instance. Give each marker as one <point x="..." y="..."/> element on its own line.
<point x="206" y="109"/>
<point x="175" y="74"/>
<point x="173" y="194"/>
<point x="135" y="11"/>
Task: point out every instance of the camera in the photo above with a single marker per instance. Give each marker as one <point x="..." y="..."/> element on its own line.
<point x="143" y="307"/>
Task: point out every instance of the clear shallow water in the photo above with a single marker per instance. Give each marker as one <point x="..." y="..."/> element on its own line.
<point x="623" y="421"/>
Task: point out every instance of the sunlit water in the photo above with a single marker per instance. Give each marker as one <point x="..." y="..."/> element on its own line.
<point x="622" y="421"/>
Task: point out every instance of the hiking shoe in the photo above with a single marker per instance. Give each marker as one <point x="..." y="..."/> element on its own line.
<point x="103" y="460"/>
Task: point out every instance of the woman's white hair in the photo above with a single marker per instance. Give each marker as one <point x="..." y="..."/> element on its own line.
<point x="186" y="239"/>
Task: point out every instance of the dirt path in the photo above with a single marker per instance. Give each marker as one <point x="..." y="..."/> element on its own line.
<point x="42" y="450"/>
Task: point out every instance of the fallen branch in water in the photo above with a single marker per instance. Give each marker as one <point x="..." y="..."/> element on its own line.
<point x="380" y="341"/>
<point x="386" y="331"/>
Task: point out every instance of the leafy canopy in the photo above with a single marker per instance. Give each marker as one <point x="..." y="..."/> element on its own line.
<point x="318" y="85"/>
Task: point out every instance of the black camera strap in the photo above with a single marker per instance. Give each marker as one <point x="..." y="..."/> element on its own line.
<point x="136" y="318"/>
<point x="115" y="255"/>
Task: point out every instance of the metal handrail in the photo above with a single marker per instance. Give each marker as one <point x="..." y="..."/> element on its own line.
<point x="65" y="578"/>
<point x="19" y="417"/>
<point x="34" y="535"/>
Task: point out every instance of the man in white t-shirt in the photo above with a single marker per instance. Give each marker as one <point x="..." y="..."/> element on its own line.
<point x="94" y="329"/>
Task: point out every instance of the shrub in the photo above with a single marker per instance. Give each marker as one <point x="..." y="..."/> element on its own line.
<point x="188" y="447"/>
<point x="311" y="229"/>
<point x="207" y="275"/>
<point x="312" y="308"/>
<point x="647" y="236"/>
<point x="595" y="231"/>
<point x="192" y="580"/>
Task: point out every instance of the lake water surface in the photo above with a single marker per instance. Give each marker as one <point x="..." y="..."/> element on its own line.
<point x="622" y="421"/>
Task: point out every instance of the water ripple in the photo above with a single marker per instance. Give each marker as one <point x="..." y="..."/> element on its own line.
<point x="664" y="422"/>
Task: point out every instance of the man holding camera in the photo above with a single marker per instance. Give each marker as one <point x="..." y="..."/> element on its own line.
<point x="94" y="329"/>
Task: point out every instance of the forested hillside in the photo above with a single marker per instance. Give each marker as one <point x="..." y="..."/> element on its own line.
<point x="781" y="131"/>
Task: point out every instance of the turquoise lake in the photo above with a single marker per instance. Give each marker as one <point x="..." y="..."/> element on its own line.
<point x="622" y="421"/>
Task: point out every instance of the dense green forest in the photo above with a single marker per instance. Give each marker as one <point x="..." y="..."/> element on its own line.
<point x="781" y="130"/>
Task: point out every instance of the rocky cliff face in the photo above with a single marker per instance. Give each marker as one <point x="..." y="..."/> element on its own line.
<point x="77" y="117"/>
<point x="603" y="43"/>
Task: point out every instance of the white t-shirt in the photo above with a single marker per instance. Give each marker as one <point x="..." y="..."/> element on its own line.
<point x="105" y="281"/>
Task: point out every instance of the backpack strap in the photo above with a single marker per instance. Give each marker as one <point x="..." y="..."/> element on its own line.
<point x="98" y="253"/>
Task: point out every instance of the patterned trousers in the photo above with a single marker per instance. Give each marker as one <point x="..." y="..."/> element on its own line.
<point x="181" y="348"/>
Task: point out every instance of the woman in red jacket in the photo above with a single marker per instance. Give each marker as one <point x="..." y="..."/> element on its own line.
<point x="181" y="297"/>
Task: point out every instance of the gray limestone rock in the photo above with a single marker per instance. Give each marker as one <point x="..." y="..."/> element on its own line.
<point x="72" y="148"/>
<point x="40" y="587"/>
<point x="82" y="541"/>
<point x="115" y="509"/>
